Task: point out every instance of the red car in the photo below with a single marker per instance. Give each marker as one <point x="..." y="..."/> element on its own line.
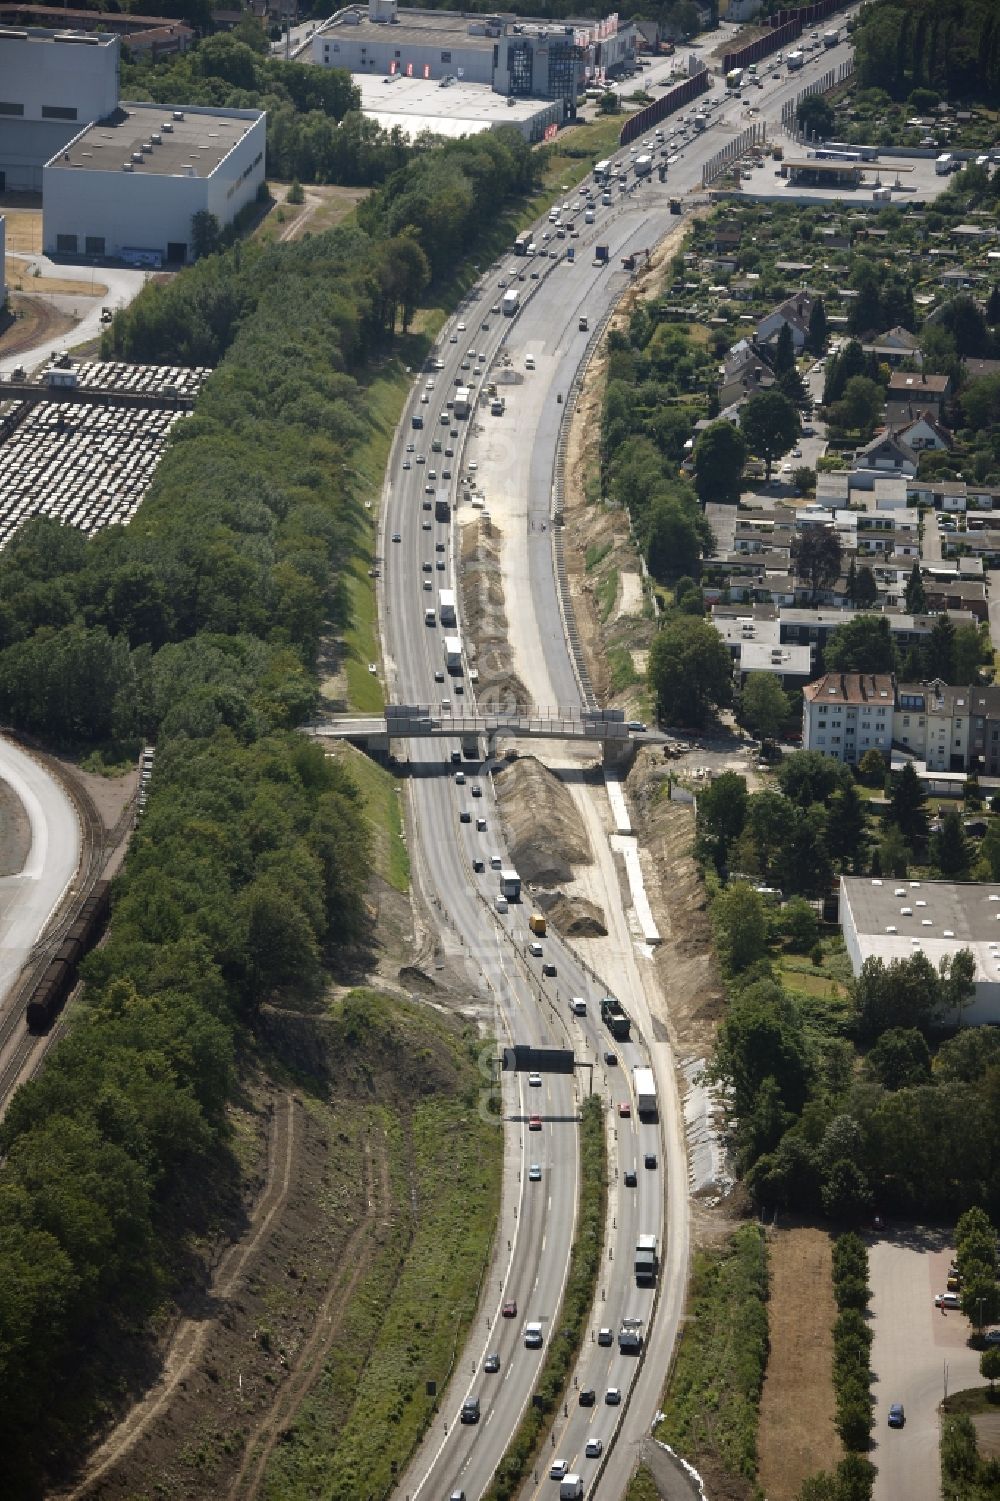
<point x="509" y="1310"/>
<point x="534" y="1122"/>
<point x="624" y="1108"/>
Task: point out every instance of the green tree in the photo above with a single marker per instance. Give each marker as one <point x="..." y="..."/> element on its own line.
<point x="760" y="1038"/>
<point x="908" y="806"/>
<point x="810" y="777"/>
<point x="719" y="457"/>
<point x="803" y="864"/>
<point x="817" y="555"/>
<point x="770" y="425"/>
<point x="846" y="825"/>
<point x="958" y="983"/>
<point x="205" y="234"/>
<point x="866" y="588"/>
<point x="689" y="671"/>
<point x="863" y="644"/>
<point x="784" y="351"/>
<point x="871" y="768"/>
<point x="818" y="330"/>
<point x="763" y="706"/>
<point x="847" y="1196"/>
<point x="860" y="407"/>
<point x="673" y="544"/>
<point x="894" y="854"/>
<point x="900" y="1059"/>
<point x="722" y="811"/>
<point x="905" y="993"/>
<point x="941" y="649"/>
<point x="740" y="922"/>
<point x="769" y="820"/>
<point x="989" y="1365"/>
<point x="916" y="595"/>
<point x="971" y="651"/>
<point x="815" y="116"/>
<point x="800" y="925"/>
<point x="949" y="849"/>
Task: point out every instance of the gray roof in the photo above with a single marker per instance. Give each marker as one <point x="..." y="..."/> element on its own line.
<point x="934" y="917"/>
<point x="192" y="146"/>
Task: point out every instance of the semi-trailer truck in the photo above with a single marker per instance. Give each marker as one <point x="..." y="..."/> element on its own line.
<point x="646" y="1259"/>
<point x="615" y="1018"/>
<point x="644" y="1087"/>
<point x="446" y="607"/>
<point x="452" y="647"/>
<point x="511" y="302"/>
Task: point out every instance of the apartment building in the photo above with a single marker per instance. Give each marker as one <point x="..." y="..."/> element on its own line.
<point x="845" y="714"/>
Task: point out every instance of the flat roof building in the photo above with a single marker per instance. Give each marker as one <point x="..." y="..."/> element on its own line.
<point x="129" y="186"/>
<point x="891" y="919"/>
<point x="51" y="84"/>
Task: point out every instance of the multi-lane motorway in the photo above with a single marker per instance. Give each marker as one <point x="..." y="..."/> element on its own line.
<point x="537" y="1219"/>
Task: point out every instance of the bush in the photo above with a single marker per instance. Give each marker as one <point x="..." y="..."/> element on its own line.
<point x="852" y="1341"/>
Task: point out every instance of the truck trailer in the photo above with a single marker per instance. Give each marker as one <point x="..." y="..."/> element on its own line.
<point x="644" y="1087"/>
<point x="643" y="166"/>
<point x="795" y="61"/>
<point x="646" y="1259"/>
<point x="510" y="885"/>
<point x="452" y="647"/>
<point x="442" y="506"/>
<point x="463" y="402"/>
<point x="446" y="607"/>
<point x="511" y="302"/>
<point x="630" y="1336"/>
<point x="615" y="1018"/>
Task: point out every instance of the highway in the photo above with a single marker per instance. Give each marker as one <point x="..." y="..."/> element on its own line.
<point x="414" y="568"/>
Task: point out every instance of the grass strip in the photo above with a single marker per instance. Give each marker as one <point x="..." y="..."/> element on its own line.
<point x="382" y="796"/>
<point x="712" y="1402"/>
<point x="642" y="1486"/>
<point x="581" y="1287"/>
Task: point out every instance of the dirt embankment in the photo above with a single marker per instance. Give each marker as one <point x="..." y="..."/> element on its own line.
<point x="543" y="851"/>
<point x="485" y="619"/>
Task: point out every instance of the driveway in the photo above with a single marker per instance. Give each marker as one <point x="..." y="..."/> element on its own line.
<point x="919" y="1354"/>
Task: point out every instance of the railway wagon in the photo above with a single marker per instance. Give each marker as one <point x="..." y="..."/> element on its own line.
<point x="60" y="974"/>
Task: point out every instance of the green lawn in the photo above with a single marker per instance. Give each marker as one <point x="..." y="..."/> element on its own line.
<point x="382" y="796"/>
<point x="642" y="1487"/>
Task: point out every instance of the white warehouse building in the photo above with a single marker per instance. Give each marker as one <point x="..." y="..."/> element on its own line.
<point x="891" y="919"/>
<point x="51" y="84"/>
<point x="129" y="185"/>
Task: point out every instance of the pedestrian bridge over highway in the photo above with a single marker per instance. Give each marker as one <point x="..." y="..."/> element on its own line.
<point x="604" y="727"/>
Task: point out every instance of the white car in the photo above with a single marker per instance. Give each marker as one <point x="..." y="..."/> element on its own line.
<point x="461" y="328"/>
<point x="534" y="1173"/>
<point x="558" y="1469"/>
<point x="535" y="949"/>
<point x="594" y="1448"/>
<point x="535" y="1081"/>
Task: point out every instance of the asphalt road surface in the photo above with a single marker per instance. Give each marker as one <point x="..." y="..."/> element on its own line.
<point x="28" y="899"/>
<point x="528" y="1007"/>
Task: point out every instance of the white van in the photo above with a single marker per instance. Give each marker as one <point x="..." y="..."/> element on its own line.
<point x="430" y="618"/>
<point x="496" y="862"/>
<point x="578" y="1006"/>
<point x="571" y="1488"/>
<point x="529" y="362"/>
<point x="588" y="217"/>
<point x="500" y="903"/>
<point x="533" y="1336"/>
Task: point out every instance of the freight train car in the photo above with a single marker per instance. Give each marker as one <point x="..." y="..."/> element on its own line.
<point x="60" y="974"/>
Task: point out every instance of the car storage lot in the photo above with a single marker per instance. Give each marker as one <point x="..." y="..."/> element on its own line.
<point x="917" y="1350"/>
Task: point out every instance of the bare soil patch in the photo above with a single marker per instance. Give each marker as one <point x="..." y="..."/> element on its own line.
<point x="575" y="917"/>
<point x="988" y="1434"/>
<point x="20" y="279"/>
<point x="322" y="208"/>
<point x="485" y="619"/>
<point x="524" y="786"/>
<point x="22" y="214"/>
<point x="34" y="322"/>
<point x="797" y="1436"/>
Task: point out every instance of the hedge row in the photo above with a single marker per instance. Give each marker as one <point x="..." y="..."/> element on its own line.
<point x="852" y="1343"/>
<point x="581" y="1285"/>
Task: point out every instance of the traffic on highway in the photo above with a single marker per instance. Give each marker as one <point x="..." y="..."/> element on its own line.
<point x="567" y="275"/>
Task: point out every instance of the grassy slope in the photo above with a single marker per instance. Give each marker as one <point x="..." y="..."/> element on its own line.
<point x="414" y="1081"/>
<point x="711" y="1402"/>
<point x="382" y="795"/>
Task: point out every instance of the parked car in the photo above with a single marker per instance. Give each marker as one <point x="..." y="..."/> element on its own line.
<point x="947" y="1300"/>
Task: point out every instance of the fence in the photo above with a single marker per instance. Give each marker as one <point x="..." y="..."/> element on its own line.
<point x="754" y="135"/>
<point x="682" y="93"/>
<point x="764" y="45"/>
<point x="822" y="85"/>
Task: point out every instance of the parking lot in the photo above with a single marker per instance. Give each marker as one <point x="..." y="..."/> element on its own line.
<point x="919" y="1353"/>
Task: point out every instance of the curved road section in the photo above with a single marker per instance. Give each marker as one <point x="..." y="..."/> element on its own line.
<point x="28" y="899"/>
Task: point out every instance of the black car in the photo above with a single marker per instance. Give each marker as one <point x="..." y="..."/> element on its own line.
<point x="631" y="1178"/>
<point x="611" y="1059"/>
<point x="588" y="1397"/>
<point x="491" y="1364"/>
<point x="649" y="1160"/>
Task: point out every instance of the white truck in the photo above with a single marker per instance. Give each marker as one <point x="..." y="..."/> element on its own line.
<point x="831" y="38"/>
<point x="944" y="164"/>
<point x="463" y="402"/>
<point x="795" y="61"/>
<point x="511" y="302"/>
<point x="630" y="1336"/>
<point x="446" y="607"/>
<point x="643" y="1085"/>
<point x="571" y="1488"/>
<point x="453" y="654"/>
<point x="643" y="166"/>
<point x="510" y="885"/>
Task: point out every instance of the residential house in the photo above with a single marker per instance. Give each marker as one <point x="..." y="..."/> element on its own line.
<point x="745" y="373"/>
<point x="726" y="238"/>
<point x="743" y="288"/>
<point x="884" y="454"/>
<point x="924" y="432"/>
<point x="976" y="369"/>
<point x="913" y="392"/>
<point x="793" y="312"/>
<point x="846" y="714"/>
<point x="932" y="722"/>
<point x="959" y="278"/>
<point x="792" y="665"/>
<point x="943" y="495"/>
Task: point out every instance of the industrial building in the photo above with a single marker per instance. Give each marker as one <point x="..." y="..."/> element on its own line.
<point x="513" y="56"/>
<point x="414" y="105"/>
<point x="129" y="185"/>
<point x="51" y="83"/>
<point x="894" y="919"/>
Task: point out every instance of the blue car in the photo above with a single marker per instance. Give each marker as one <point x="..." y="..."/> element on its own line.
<point x="896" y="1415"/>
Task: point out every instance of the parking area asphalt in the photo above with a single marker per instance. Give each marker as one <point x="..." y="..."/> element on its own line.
<point x="919" y="1355"/>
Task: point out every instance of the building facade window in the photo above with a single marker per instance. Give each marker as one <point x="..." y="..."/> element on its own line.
<point x="6" y="108"/>
<point x="66" y="244"/>
<point x="57" y="112"/>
